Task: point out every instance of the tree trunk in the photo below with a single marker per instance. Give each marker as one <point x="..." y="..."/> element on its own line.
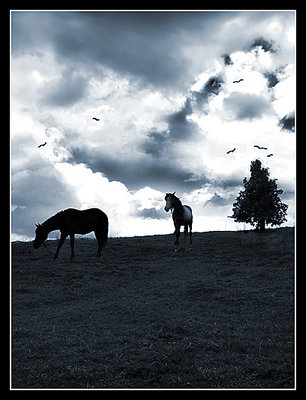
<point x="261" y="225"/>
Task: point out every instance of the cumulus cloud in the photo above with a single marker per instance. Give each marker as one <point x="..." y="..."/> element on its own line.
<point x="158" y="172"/>
<point x="64" y="91"/>
<point x="247" y="106"/>
<point x="266" y="45"/>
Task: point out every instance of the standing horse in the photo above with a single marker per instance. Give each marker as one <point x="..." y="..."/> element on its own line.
<point x="70" y="222"/>
<point x="181" y="215"/>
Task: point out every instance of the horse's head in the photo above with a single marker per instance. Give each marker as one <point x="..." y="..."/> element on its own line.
<point x="40" y="236"/>
<point x="170" y="198"/>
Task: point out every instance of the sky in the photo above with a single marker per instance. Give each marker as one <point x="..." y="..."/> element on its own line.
<point x="162" y="86"/>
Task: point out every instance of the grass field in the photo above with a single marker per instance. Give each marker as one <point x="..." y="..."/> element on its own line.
<point x="143" y="316"/>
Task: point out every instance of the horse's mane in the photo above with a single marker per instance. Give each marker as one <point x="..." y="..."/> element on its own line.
<point x="177" y="200"/>
<point x="178" y="204"/>
<point x="53" y="218"/>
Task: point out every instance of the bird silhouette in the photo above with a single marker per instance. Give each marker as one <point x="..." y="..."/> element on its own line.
<point x="260" y="148"/>
<point x="96" y="119"/>
<point x="269" y="155"/>
<point x="240" y="80"/>
<point x="42" y="145"/>
<point x="231" y="151"/>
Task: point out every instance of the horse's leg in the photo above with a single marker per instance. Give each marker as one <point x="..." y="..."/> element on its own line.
<point x="100" y="243"/>
<point x="177" y="234"/>
<point x="185" y="230"/>
<point x="190" y="232"/>
<point x="60" y="243"/>
<point x="72" y="245"/>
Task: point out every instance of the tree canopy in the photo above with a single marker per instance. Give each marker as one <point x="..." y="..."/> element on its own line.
<point x="259" y="204"/>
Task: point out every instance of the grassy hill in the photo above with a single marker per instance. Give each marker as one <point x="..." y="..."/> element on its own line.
<point x="220" y="315"/>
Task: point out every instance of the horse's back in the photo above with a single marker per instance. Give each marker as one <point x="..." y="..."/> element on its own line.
<point x="94" y="214"/>
<point x="74" y="213"/>
<point x="83" y="221"/>
<point x="93" y="211"/>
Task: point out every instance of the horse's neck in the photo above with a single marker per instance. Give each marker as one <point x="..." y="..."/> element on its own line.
<point x="178" y="207"/>
<point x="52" y="223"/>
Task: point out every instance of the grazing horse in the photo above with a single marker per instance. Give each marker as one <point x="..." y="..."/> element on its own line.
<point x="70" y="222"/>
<point x="181" y="215"/>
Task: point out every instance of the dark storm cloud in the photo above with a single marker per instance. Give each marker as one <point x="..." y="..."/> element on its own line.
<point x="155" y="143"/>
<point x="272" y="79"/>
<point x="47" y="195"/>
<point x="157" y="173"/>
<point x="266" y="45"/>
<point x="247" y="106"/>
<point x="227" y="59"/>
<point x="211" y="87"/>
<point x="147" y="45"/>
<point x="65" y="91"/>
<point x="180" y="128"/>
<point x="287" y="123"/>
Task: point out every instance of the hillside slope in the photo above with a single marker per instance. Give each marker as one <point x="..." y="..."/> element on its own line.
<point x="220" y="315"/>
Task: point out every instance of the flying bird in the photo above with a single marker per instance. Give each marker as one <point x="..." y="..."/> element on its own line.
<point x="269" y="155"/>
<point x="240" y="80"/>
<point x="260" y="148"/>
<point x="42" y="145"/>
<point x="96" y="119"/>
<point x="231" y="151"/>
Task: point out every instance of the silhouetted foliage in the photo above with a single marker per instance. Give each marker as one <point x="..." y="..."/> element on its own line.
<point x="259" y="204"/>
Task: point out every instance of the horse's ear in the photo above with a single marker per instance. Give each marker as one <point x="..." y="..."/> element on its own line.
<point x="37" y="225"/>
<point x="173" y="193"/>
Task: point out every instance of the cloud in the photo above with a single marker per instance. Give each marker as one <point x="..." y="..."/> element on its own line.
<point x="216" y="200"/>
<point x="287" y="123"/>
<point x="47" y="195"/>
<point x="158" y="173"/>
<point x="247" y="106"/>
<point x="162" y="85"/>
<point x="211" y="87"/>
<point x="152" y="213"/>
<point x="272" y="79"/>
<point x="180" y="128"/>
<point x="266" y="45"/>
<point x="164" y="49"/>
<point x="64" y="91"/>
<point x="155" y="143"/>
<point x="146" y="45"/>
<point x="227" y="59"/>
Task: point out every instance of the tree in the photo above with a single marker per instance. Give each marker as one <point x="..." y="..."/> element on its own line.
<point x="259" y="204"/>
